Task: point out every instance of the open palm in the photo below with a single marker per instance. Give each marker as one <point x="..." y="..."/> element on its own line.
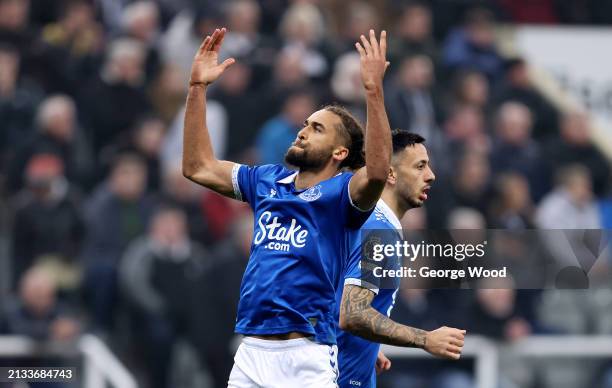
<point x="206" y="67"/>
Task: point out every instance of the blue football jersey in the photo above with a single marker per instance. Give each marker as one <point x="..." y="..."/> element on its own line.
<point x="299" y="250"/>
<point x="357" y="356"/>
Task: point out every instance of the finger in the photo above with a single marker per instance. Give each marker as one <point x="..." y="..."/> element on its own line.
<point x="204" y="45"/>
<point x="227" y="63"/>
<point x="213" y="39"/>
<point x="458" y="335"/>
<point x="454" y="349"/>
<point x="383" y="44"/>
<point x="456" y="342"/>
<point x="387" y="364"/>
<point x="360" y="49"/>
<point x="217" y="45"/>
<point x="453" y="356"/>
<point x="366" y="46"/>
<point x="387" y="65"/>
<point x="374" y="43"/>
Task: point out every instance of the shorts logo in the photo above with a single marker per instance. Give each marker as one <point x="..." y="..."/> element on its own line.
<point x="312" y="194"/>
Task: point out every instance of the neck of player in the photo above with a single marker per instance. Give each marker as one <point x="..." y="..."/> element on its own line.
<point x="309" y="178"/>
<point x="392" y="200"/>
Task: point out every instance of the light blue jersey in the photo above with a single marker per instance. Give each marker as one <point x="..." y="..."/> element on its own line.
<point x="299" y="251"/>
<point x="357" y="356"/>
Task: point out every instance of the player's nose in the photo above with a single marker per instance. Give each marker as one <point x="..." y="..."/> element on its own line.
<point x="430" y="176"/>
<point x="302" y="134"/>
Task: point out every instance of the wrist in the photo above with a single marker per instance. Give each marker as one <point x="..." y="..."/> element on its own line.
<point x="424" y="344"/>
<point x="374" y="90"/>
<point x="198" y="84"/>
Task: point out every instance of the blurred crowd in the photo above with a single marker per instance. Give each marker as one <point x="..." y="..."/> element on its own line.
<point x="100" y="232"/>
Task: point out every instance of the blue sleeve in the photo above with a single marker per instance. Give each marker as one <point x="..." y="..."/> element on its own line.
<point x="362" y="260"/>
<point x="245" y="180"/>
<point x="353" y="216"/>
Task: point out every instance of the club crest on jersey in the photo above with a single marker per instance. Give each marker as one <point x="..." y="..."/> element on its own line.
<point x="312" y="194"/>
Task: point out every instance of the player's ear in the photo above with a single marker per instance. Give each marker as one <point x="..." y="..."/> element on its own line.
<point x="340" y="153"/>
<point x="392" y="177"/>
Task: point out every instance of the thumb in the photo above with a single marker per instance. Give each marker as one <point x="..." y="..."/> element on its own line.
<point x="227" y="63"/>
<point x="387" y="64"/>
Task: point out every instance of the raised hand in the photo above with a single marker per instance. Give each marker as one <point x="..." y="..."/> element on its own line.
<point x="206" y="68"/>
<point x="373" y="59"/>
<point x="445" y="342"/>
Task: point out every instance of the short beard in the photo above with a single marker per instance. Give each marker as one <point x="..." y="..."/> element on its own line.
<point x="305" y="160"/>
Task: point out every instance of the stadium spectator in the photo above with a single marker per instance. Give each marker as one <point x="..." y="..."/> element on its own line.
<point x="515" y="150"/>
<point x="303" y="29"/>
<point x="574" y="146"/>
<point x="19" y="98"/>
<point x="37" y="313"/>
<point x="352" y="19"/>
<point x="512" y="207"/>
<point x="14" y="27"/>
<point x="140" y="21"/>
<point x="470" y="88"/>
<point x="518" y="86"/>
<point x="242" y="108"/>
<point x="184" y="34"/>
<point x="147" y="140"/>
<point x="278" y="133"/>
<point x="215" y="338"/>
<point x="57" y="132"/>
<point x="411" y="100"/>
<point x="571" y="204"/>
<point x="345" y="85"/>
<point x="47" y="216"/>
<point x="473" y="46"/>
<point x="216" y="120"/>
<point x="76" y="35"/>
<point x="288" y="75"/>
<point x="468" y="187"/>
<point x="116" y="213"/>
<point x="189" y="198"/>
<point x="413" y="34"/>
<point x="167" y="92"/>
<point x="158" y="274"/>
<point x="120" y="85"/>
<point x="243" y="40"/>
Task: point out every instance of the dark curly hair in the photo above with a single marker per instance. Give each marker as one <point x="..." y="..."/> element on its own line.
<point x="352" y="133"/>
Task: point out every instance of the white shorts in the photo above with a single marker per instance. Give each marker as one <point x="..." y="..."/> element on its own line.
<point x="295" y="363"/>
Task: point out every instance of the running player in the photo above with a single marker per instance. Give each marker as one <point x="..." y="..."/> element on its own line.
<point x="365" y="305"/>
<point x="287" y="309"/>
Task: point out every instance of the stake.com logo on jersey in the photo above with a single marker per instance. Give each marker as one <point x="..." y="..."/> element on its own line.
<point x="281" y="238"/>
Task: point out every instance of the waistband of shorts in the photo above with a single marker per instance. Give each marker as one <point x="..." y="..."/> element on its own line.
<point x="277" y="344"/>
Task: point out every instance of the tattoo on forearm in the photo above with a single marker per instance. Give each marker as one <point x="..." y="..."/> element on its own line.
<point x="368" y="323"/>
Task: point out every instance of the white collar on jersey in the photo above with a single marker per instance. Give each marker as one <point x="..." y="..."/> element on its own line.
<point x="288" y="179"/>
<point x="390" y="215"/>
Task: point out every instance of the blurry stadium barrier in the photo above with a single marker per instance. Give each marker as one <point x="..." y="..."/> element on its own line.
<point x="485" y="352"/>
<point x="100" y="366"/>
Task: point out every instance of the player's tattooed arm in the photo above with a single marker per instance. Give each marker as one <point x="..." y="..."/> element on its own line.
<point x="199" y="162"/>
<point x="358" y="317"/>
